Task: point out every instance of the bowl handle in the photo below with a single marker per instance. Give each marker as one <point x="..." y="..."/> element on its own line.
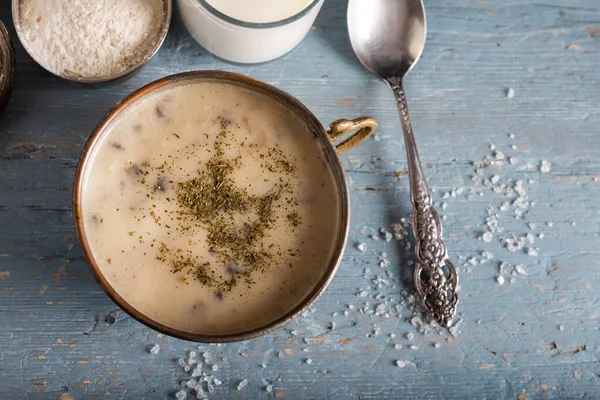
<point x="364" y="125"/>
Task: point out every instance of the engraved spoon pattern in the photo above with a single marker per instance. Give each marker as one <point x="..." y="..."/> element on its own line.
<point x="388" y="37"/>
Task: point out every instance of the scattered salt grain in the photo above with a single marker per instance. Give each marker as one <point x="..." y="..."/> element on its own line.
<point x="487" y="237"/>
<point x="541" y="236"/>
<point x="155" y="349"/>
<point x="437" y="345"/>
<point x="573" y="223"/>
<point x="455" y="329"/>
<point x="511" y="135"/>
<point x="513" y="160"/>
<point x="181" y="395"/>
<point x="500" y="280"/>
<point x="410" y="336"/>
<point x="510" y="93"/>
<point x="397" y="346"/>
<point x="242" y="384"/>
<point x="532" y="252"/>
<point x="215" y="367"/>
<point x="400" y="364"/>
<point x="308" y="361"/>
<point x="561" y="328"/>
<point x="269" y="388"/>
<point x="545" y="166"/>
<point x="388" y="236"/>
<point x="181" y="362"/>
<point x="362" y="247"/>
<point x="549" y="224"/>
<point x="487" y="255"/>
<point x="413" y="347"/>
<point x="499" y="155"/>
<point x="521" y="270"/>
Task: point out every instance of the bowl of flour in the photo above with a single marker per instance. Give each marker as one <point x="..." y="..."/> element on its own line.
<point x="91" y="41"/>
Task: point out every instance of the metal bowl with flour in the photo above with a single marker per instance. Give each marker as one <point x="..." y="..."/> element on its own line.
<point x="91" y="46"/>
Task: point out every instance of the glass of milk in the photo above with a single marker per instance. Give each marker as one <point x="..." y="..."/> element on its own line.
<point x="248" y="31"/>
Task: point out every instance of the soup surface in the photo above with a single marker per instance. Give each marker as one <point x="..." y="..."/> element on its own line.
<point x="210" y="207"/>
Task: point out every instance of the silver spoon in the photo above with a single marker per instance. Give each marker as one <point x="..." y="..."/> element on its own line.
<point x="388" y="37"/>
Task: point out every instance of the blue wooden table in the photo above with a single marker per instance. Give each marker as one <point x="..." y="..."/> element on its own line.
<point x="505" y="105"/>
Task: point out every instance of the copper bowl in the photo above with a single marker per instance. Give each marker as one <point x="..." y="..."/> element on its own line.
<point x="362" y="127"/>
<point x="7" y="66"/>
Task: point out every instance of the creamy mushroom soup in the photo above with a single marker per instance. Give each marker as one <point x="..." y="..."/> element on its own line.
<point x="210" y="207"/>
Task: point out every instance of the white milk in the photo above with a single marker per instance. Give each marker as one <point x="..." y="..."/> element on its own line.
<point x="248" y="44"/>
<point x="156" y="253"/>
<point x="261" y="11"/>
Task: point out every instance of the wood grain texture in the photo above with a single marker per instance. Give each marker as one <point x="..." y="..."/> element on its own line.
<point x="54" y="334"/>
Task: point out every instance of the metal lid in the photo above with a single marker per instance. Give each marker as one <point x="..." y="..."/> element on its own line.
<point x="7" y="66"/>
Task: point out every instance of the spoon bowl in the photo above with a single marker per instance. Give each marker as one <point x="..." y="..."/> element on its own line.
<point x="388" y="36"/>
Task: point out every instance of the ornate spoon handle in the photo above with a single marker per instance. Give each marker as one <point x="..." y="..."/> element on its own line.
<point x="435" y="276"/>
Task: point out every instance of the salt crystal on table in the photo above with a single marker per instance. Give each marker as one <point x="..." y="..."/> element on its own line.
<point x="217" y="382"/>
<point x="181" y="395"/>
<point x="269" y="388"/>
<point x="510" y="93"/>
<point x="513" y="160"/>
<point x="308" y="361"/>
<point x="410" y="336"/>
<point x="388" y="236"/>
<point x="437" y="345"/>
<point x="362" y="247"/>
<point x="192" y="383"/>
<point x="181" y="362"/>
<point x="215" y="367"/>
<point x="520" y="269"/>
<point x="561" y="328"/>
<point x="545" y="166"/>
<point x="500" y="280"/>
<point x="487" y="237"/>
<point x="532" y="252"/>
<point x="242" y="384"/>
<point x="413" y="347"/>
<point x="155" y="349"/>
<point x="400" y="364"/>
<point x="397" y="346"/>
<point x="549" y="224"/>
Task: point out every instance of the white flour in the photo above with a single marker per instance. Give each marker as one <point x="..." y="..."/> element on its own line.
<point x="90" y="38"/>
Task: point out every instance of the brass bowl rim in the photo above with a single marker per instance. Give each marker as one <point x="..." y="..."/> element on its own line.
<point x="334" y="163"/>
<point x="7" y="66"/>
<point x="164" y="30"/>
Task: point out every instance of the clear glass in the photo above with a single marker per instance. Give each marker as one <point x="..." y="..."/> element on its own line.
<point x="245" y="42"/>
